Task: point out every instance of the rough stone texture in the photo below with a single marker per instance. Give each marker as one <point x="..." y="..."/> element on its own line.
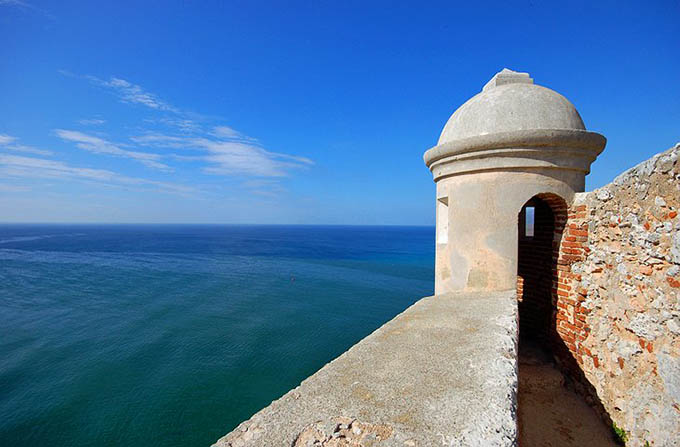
<point x="617" y="298"/>
<point x="444" y="372"/>
<point x="341" y="432"/>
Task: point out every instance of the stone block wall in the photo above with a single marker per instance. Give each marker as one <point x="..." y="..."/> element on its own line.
<point x="617" y="299"/>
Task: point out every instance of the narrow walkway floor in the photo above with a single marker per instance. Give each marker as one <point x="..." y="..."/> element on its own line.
<point x="551" y="415"/>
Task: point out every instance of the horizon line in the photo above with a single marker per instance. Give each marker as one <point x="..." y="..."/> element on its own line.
<point x="218" y="224"/>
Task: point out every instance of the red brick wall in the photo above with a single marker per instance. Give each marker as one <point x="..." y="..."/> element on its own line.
<point x="570" y="317"/>
<point x="549" y="300"/>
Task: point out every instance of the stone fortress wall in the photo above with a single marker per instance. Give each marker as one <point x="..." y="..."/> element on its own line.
<point x="617" y="299"/>
<point x="597" y="282"/>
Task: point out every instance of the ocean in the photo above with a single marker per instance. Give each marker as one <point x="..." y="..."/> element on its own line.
<point x="145" y="335"/>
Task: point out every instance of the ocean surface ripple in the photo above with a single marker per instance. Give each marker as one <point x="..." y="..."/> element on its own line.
<point x="144" y="335"/>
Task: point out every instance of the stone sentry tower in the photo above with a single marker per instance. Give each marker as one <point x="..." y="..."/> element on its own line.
<point x="510" y="144"/>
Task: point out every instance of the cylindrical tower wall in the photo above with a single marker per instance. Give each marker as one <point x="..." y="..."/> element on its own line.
<point x="480" y="250"/>
<point x="509" y="143"/>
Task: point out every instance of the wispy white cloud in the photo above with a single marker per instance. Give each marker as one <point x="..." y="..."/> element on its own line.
<point x="225" y="150"/>
<point x="132" y="93"/>
<point x="30" y="167"/>
<point x="127" y="91"/>
<point x="6" y="139"/>
<point x="228" y="152"/>
<point x="184" y="125"/>
<point x="235" y="157"/>
<point x="225" y="132"/>
<point x="28" y="149"/>
<point x="25" y="5"/>
<point x="160" y="140"/>
<point x="230" y="134"/>
<point x="100" y="146"/>
<point x="91" y="122"/>
<point x="9" y="143"/>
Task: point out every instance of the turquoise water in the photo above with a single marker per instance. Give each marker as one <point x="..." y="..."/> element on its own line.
<point x="172" y="335"/>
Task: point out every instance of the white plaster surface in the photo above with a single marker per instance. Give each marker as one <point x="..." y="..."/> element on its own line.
<point x="508" y="143"/>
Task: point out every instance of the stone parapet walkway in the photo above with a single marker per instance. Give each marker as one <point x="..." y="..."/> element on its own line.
<point x="442" y="373"/>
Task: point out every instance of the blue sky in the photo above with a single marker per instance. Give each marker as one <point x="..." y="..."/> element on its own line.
<point x="298" y="112"/>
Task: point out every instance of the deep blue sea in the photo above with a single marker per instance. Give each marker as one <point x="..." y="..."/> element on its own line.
<point x="150" y="335"/>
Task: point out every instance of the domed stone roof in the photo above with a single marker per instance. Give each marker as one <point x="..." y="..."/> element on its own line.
<point x="511" y="102"/>
<point x="514" y="125"/>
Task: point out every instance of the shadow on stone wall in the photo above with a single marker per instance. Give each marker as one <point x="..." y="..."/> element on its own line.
<point x="543" y="260"/>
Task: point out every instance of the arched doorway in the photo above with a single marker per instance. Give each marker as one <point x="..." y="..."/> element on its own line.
<point x="541" y="222"/>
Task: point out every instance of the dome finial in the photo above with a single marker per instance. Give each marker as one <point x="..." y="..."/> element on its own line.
<point x="507" y="76"/>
